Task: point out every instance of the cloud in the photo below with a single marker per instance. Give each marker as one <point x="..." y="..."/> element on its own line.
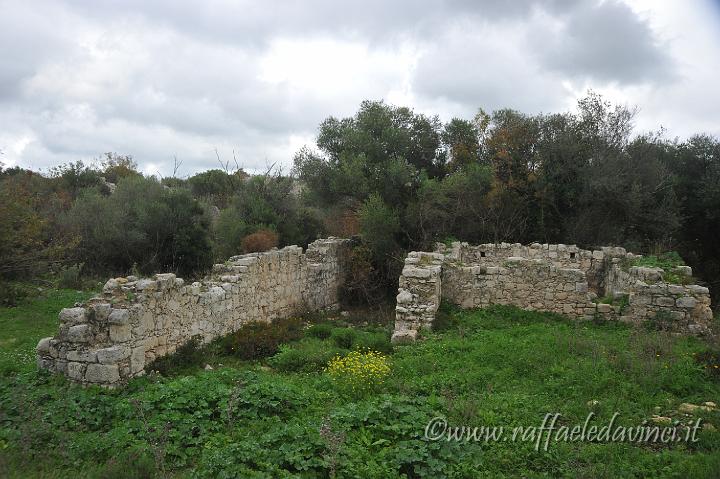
<point x="605" y="42"/>
<point x="163" y="79"/>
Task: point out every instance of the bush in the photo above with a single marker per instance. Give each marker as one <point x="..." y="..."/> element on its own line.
<point x="261" y="240"/>
<point x="344" y="337"/>
<point x="188" y="355"/>
<point x="359" y="372"/>
<point x="142" y="222"/>
<point x="379" y="341"/>
<point x="320" y="331"/>
<point x="69" y="277"/>
<point x="12" y="293"/>
<point x="309" y="355"/>
<point x="258" y="339"/>
<point x="128" y="465"/>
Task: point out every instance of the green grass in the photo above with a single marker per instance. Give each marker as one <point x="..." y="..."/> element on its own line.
<point x="494" y="367"/>
<point x="23" y="326"/>
<point x="667" y="262"/>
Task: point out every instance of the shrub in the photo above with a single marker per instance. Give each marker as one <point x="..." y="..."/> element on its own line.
<point x="320" y="331"/>
<point x="69" y="277"/>
<point x="379" y="341"/>
<point x="261" y="240"/>
<point x="128" y="465"/>
<point x="188" y="355"/>
<point x="710" y="361"/>
<point x="344" y="337"/>
<point x="13" y="293"/>
<point x="308" y="355"/>
<point x="359" y="372"/>
<point x="142" y="223"/>
<point x="258" y="339"/>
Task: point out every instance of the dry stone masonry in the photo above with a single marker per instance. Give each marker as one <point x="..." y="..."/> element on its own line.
<point x="112" y="337"/>
<point x="558" y="278"/>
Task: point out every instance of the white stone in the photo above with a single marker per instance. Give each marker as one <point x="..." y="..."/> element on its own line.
<point x="119" y="333"/>
<point x="137" y="359"/>
<point x="72" y="316"/>
<point x="43" y="346"/>
<point x="416" y="272"/>
<point x="146" y="285"/>
<point x="102" y="373"/>
<point x="687" y="302"/>
<point x="404" y="336"/>
<point x="80" y="333"/>
<point x="82" y="356"/>
<point x="404" y="297"/>
<point x="119" y="316"/>
<point x="604" y="308"/>
<point x="113" y="354"/>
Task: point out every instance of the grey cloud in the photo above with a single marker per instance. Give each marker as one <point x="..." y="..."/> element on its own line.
<point x="607" y="42"/>
<point x="184" y="78"/>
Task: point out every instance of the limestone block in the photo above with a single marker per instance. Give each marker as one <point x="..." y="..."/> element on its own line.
<point x="697" y="289"/>
<point x="75" y="370"/>
<point x="664" y="301"/>
<point x="111" y="286"/>
<point x="102" y="373"/>
<point x="113" y="354"/>
<point x="409" y="272"/>
<point x="146" y="285"/>
<point x="73" y="316"/>
<point x="120" y="333"/>
<point x="119" y="316"/>
<point x="604" y="308"/>
<point x="165" y="281"/>
<point x="101" y="311"/>
<point x="687" y="302"/>
<point x="675" y="289"/>
<point x="683" y="270"/>
<point x="82" y="356"/>
<point x="43" y="347"/>
<point x="81" y="333"/>
<point x="137" y="359"/>
<point x="404" y="336"/>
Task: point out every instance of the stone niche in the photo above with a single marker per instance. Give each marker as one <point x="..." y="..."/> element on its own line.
<point x="545" y="277"/>
<point x="110" y="338"/>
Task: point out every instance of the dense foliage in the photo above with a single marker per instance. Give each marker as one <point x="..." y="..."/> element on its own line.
<point x="402" y="180"/>
<point x="552" y="178"/>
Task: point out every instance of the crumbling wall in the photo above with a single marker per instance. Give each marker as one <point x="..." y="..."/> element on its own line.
<point x="418" y="296"/>
<point x="564" y="279"/>
<point x="531" y="284"/>
<point x="641" y="295"/>
<point x="111" y="338"/>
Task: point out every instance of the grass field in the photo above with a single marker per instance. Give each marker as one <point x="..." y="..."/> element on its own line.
<point x="285" y="416"/>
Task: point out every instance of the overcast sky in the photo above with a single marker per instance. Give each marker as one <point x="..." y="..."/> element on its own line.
<point x="158" y="79"/>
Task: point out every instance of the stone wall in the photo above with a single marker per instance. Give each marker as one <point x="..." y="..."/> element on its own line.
<point x="111" y="338"/>
<point x="644" y="296"/>
<point x="418" y="297"/>
<point x="558" y="278"/>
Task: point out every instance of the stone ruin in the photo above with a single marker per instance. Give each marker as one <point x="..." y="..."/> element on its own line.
<point x="112" y="337"/>
<point x="581" y="284"/>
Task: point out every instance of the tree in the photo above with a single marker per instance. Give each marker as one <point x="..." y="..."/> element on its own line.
<point x="142" y="224"/>
<point x="461" y="140"/>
